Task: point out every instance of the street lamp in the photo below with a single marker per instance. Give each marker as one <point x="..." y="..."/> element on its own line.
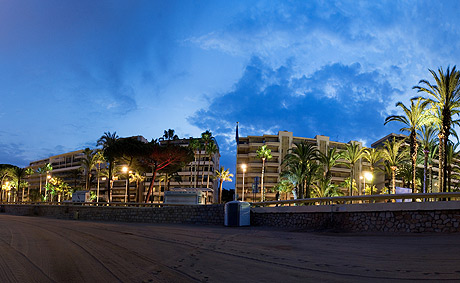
<point x="243" y="166"/>
<point x="125" y="170"/>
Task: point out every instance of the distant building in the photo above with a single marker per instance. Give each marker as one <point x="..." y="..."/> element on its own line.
<point x="68" y="166"/>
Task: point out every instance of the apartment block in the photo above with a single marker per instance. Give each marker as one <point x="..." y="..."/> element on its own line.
<point x="280" y="145"/>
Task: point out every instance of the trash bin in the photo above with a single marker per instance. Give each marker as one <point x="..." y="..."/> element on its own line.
<point x="237" y="213"/>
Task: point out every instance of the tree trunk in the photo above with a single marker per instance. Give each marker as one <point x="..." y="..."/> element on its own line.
<point x="425" y="166"/>
<point x="151" y="186"/>
<point x="220" y="190"/>
<point x="393" y="179"/>
<point x="441" y="161"/>
<point x="414" y="149"/>
<point x="209" y="171"/>
<point x="197" y="169"/>
<point x="109" y="183"/>
<point x="351" y="180"/>
<point x="262" y="191"/>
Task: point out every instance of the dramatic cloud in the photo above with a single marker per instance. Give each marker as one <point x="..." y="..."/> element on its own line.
<point x="338" y="101"/>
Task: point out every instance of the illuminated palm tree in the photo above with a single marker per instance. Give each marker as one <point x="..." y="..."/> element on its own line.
<point x="415" y="117"/>
<point x="393" y="154"/>
<point x="45" y="169"/>
<point x="263" y="153"/>
<point x="301" y="163"/>
<point x="284" y="186"/>
<point x="325" y="188"/>
<point x="444" y="96"/>
<point x="353" y="153"/>
<point x="20" y="174"/>
<point x="426" y="135"/>
<point x="223" y="175"/>
<point x="374" y="157"/>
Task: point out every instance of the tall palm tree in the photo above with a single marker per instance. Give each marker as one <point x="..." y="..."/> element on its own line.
<point x="353" y="153"/>
<point x="426" y="136"/>
<point x="452" y="153"/>
<point x="374" y="157"/>
<point x="194" y="145"/>
<point x="223" y="175"/>
<point x="415" y="117"/>
<point x="301" y="163"/>
<point x="88" y="162"/>
<point x="263" y="153"/>
<point x="107" y="141"/>
<point x="444" y="97"/>
<point x="45" y="169"/>
<point x="206" y="139"/>
<point x="210" y="149"/>
<point x="329" y="160"/>
<point x="393" y="154"/>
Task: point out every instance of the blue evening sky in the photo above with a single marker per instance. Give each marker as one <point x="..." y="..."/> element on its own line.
<point x="72" y="70"/>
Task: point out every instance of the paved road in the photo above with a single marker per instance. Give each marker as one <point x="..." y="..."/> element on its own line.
<point x="36" y="249"/>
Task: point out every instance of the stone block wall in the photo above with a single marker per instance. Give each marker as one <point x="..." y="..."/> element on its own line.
<point x="415" y="221"/>
<point x="202" y="214"/>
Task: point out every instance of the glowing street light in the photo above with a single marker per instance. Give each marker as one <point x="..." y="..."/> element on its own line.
<point x="243" y="166"/>
<point x="366" y="176"/>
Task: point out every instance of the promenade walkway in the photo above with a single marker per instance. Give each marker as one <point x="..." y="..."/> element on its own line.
<point x="37" y="249"/>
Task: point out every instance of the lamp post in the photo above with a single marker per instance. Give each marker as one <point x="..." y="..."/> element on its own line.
<point x="125" y="170"/>
<point x="243" y="166"/>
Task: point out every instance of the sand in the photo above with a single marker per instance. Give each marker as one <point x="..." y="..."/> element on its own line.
<point x="37" y="249"/>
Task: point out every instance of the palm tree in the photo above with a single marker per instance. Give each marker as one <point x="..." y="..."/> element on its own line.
<point x="169" y="135"/>
<point x="415" y="117"/>
<point x="19" y="174"/>
<point x="393" y="154"/>
<point x="444" y="98"/>
<point x="44" y="170"/>
<point x="206" y="139"/>
<point x="329" y="160"/>
<point x="325" y="188"/>
<point x="107" y="141"/>
<point x="284" y="186"/>
<point x="210" y="149"/>
<point x="374" y="157"/>
<point x="194" y="145"/>
<point x="426" y="136"/>
<point x="452" y="153"/>
<point x="295" y="173"/>
<point x="353" y="153"/>
<point x="263" y="153"/>
<point x="301" y="163"/>
<point x="224" y="175"/>
<point x="89" y="162"/>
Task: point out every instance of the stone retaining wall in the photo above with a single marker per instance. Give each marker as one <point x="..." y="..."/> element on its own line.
<point x="428" y="217"/>
<point x="202" y="214"/>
